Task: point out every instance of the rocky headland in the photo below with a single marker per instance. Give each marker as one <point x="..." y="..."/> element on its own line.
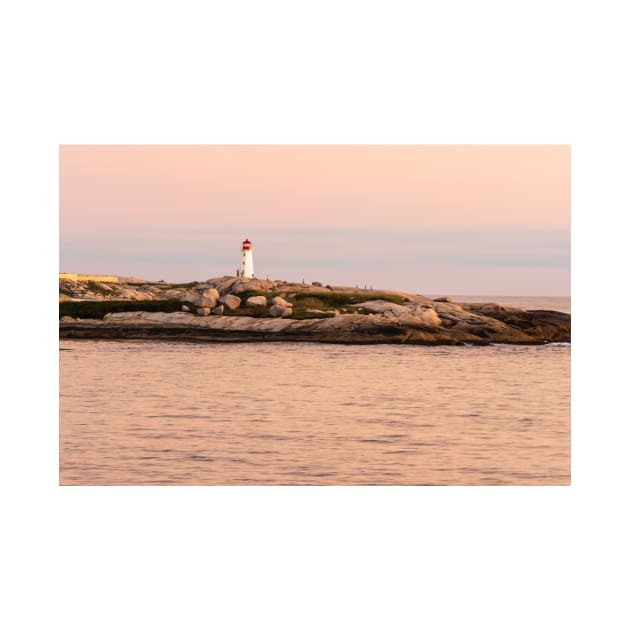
<point x="231" y="309"/>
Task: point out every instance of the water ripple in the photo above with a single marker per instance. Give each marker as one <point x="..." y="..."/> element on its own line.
<point x="156" y="413"/>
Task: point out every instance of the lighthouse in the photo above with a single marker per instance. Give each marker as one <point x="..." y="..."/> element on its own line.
<point x="247" y="261"/>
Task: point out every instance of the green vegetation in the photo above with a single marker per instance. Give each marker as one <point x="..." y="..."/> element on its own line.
<point x="303" y="304"/>
<point x="343" y="302"/>
<point x="335" y="300"/>
<point x="163" y="285"/>
<point x="97" y="310"/>
<point x="185" y="285"/>
<point x="250" y="293"/>
<point x="244" y="310"/>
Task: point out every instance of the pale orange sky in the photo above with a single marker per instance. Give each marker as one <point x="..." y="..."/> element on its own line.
<point x="135" y="204"/>
<point x="315" y="185"/>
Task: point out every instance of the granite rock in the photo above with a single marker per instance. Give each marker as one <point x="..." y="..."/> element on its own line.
<point x="256" y="300"/>
<point x="231" y="301"/>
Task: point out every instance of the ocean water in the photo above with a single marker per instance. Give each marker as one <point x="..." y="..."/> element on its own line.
<point x="173" y="413"/>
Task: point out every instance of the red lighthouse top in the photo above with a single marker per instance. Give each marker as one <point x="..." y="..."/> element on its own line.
<point x="247" y="244"/>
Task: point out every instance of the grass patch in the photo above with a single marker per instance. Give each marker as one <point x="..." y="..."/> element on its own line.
<point x="245" y="310"/>
<point x="328" y="302"/>
<point x="302" y="303"/>
<point x="185" y="285"/>
<point x="251" y="293"/>
<point x="97" y="310"/>
<point x="332" y="300"/>
<point x="162" y="285"/>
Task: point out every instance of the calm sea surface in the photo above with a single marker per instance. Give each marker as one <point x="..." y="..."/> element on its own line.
<point x="158" y="412"/>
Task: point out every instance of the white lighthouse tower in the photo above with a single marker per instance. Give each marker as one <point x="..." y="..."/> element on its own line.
<point x="247" y="261"/>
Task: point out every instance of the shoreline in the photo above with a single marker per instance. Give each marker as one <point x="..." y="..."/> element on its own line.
<point x="544" y="327"/>
<point x="245" y="310"/>
<point x="222" y="342"/>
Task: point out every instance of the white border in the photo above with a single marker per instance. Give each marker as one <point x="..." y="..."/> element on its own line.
<point x="342" y="72"/>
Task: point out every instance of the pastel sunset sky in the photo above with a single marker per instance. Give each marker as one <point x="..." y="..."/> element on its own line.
<point x="464" y="220"/>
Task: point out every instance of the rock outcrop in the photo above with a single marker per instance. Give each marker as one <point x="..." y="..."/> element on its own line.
<point x="509" y="326"/>
<point x="136" y="290"/>
<point x="209" y="311"/>
<point x="231" y="284"/>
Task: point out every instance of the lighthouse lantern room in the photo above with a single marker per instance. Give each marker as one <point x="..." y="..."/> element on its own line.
<point x="247" y="261"/>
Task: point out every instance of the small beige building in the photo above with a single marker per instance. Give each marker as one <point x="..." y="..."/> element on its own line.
<point x="77" y="277"/>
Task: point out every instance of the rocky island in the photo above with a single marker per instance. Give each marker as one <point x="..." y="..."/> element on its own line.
<point x="237" y="309"/>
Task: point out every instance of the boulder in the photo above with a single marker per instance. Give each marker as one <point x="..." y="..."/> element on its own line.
<point x="231" y="301"/>
<point x="204" y="311"/>
<point x="443" y="299"/>
<point x="188" y="297"/>
<point x="211" y="293"/>
<point x="218" y="310"/>
<point x="67" y="318"/>
<point x="206" y="301"/>
<point x="185" y="308"/>
<point x="287" y="312"/>
<point x="257" y="300"/>
<point x="280" y="301"/>
<point x="232" y="284"/>
<point x="277" y="310"/>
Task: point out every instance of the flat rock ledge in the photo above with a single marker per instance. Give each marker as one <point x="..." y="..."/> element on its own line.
<point x="445" y="324"/>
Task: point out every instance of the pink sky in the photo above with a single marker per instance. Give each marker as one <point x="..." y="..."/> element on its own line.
<point x="123" y="209"/>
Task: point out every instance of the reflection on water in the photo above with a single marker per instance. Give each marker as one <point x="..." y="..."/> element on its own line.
<point x="151" y="412"/>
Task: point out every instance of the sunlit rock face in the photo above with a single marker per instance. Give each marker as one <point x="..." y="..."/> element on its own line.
<point x="516" y="326"/>
<point x="231" y="301"/>
<point x="256" y="300"/>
